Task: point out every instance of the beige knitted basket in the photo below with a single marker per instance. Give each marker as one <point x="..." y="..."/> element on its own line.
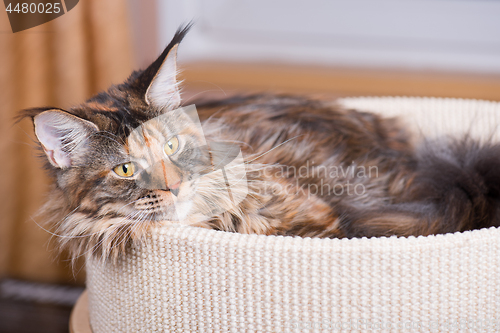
<point x="186" y="279"/>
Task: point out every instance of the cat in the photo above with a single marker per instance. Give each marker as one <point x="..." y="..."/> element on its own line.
<point x="133" y="158"/>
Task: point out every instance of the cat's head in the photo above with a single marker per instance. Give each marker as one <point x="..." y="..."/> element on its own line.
<point x="123" y="159"/>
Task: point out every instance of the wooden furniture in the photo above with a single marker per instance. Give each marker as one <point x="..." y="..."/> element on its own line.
<point x="79" y="320"/>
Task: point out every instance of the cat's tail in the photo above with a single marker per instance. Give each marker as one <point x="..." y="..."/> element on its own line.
<point x="461" y="181"/>
<point x="455" y="186"/>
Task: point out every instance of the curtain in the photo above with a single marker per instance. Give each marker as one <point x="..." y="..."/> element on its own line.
<point x="60" y="63"/>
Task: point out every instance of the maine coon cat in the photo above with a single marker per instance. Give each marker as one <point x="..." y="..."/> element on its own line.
<point x="132" y="158"/>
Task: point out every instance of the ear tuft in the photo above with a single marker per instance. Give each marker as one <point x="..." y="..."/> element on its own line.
<point x="61" y="134"/>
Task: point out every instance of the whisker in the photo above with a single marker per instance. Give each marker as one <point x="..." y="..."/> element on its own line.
<point x="204" y="92"/>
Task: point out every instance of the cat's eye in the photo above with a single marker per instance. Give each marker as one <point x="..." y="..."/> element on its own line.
<point x="171" y="146"/>
<point x="125" y="169"/>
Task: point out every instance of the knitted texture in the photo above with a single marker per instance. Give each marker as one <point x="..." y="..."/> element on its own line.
<point x="185" y="279"/>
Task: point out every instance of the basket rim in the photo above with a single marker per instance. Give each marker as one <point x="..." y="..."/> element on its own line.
<point x="172" y="232"/>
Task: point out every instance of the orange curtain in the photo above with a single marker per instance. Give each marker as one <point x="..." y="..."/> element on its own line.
<point x="60" y="63"/>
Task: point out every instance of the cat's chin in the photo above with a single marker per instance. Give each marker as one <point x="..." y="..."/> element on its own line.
<point x="179" y="212"/>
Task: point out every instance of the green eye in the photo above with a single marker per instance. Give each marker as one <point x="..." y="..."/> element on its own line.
<point x="125" y="169"/>
<point x="171" y="146"/>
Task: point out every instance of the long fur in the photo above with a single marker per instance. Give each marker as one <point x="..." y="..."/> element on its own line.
<point x="313" y="169"/>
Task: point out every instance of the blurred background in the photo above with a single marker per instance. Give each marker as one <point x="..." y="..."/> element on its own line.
<point x="334" y="48"/>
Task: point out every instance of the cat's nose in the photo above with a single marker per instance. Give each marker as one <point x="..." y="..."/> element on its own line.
<point x="173" y="188"/>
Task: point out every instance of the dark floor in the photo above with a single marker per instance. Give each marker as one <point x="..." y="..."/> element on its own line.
<point x="29" y="317"/>
<point x="28" y="308"/>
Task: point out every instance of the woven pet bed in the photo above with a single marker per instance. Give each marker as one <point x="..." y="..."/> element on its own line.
<point x="186" y="279"/>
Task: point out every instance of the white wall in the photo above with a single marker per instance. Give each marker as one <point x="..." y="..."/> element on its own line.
<point x="457" y="35"/>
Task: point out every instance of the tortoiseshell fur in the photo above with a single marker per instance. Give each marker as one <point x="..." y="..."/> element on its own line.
<point x="412" y="190"/>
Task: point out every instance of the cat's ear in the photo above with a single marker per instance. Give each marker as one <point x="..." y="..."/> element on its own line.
<point x="164" y="89"/>
<point x="158" y="83"/>
<point x="61" y="134"/>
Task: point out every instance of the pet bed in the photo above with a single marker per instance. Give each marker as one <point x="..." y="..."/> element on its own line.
<point x="186" y="279"/>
